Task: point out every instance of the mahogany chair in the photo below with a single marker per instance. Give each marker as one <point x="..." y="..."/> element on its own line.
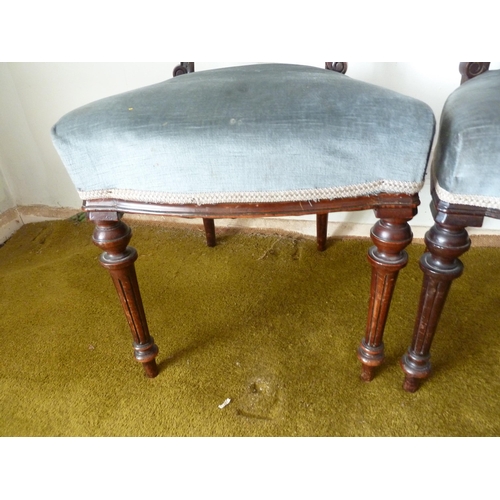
<point x="465" y="189"/>
<point x="250" y="141"/>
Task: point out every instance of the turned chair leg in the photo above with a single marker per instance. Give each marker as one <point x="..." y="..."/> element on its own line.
<point x="440" y="264"/>
<point x="321" y="231"/>
<point x="387" y="257"/>
<point x="112" y="236"/>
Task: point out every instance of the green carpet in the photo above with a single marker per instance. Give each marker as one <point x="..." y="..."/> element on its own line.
<point x="264" y="320"/>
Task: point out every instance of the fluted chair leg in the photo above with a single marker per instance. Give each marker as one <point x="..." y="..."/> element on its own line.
<point x="440" y="264"/>
<point x="113" y="236"/>
<point x="387" y="257"/>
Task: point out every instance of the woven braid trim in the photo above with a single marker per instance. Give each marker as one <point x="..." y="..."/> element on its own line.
<point x="371" y="188"/>
<point x="467" y="199"/>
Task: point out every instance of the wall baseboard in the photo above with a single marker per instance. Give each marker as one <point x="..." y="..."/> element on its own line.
<point x="14" y="218"/>
<point x="38" y="213"/>
<point x="10" y="222"/>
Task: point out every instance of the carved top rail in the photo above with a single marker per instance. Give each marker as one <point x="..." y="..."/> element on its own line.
<point x="470" y="70"/>
<point x="188" y="67"/>
<point x="338" y="67"/>
<point x="183" y="68"/>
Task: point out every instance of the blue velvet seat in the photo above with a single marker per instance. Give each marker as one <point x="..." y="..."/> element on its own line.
<point x="465" y="189"/>
<point x="258" y="133"/>
<point x="250" y="141"/>
<point x="467" y="159"/>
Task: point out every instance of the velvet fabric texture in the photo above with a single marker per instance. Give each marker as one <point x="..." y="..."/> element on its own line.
<point x="257" y="133"/>
<point x="466" y="166"/>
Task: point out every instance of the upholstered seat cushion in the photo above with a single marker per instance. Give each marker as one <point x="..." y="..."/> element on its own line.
<point x="264" y="132"/>
<point x="466" y="166"/>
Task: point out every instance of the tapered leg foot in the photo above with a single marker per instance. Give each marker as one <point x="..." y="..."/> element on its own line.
<point x="440" y="265"/>
<point x="112" y="236"/>
<point x="411" y="384"/>
<point x="387" y="257"/>
<point x="370" y="357"/>
<point x="367" y="373"/>
<point x="150" y="368"/>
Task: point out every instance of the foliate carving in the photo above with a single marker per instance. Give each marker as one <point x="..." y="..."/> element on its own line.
<point x="184" y="68"/>
<point x="338" y="67"/>
<point x="470" y="70"/>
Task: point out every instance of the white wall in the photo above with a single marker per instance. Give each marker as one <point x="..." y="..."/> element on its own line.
<point x="33" y="96"/>
<point x="6" y="200"/>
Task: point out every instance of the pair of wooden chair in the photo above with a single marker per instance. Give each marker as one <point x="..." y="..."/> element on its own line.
<point x="279" y="140"/>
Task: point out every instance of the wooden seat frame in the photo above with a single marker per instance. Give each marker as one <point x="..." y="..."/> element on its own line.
<point x="390" y="235"/>
<point x="445" y="242"/>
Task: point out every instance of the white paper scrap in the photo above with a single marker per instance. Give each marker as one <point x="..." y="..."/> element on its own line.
<point x="226" y="402"/>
